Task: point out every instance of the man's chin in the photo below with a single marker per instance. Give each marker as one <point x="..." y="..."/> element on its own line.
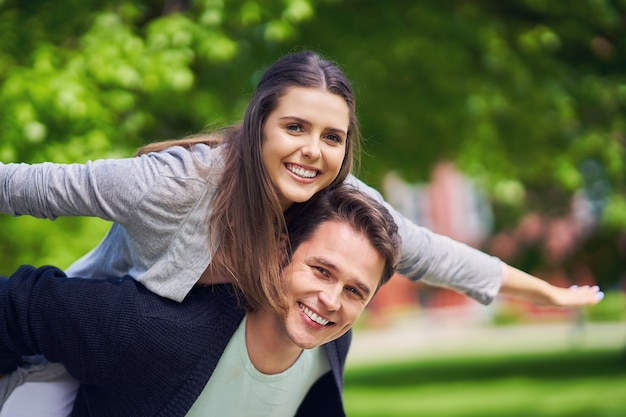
<point x="308" y="343"/>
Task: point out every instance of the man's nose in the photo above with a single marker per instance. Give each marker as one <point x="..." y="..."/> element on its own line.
<point x="331" y="297"/>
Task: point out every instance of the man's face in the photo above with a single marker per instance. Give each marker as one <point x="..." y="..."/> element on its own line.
<point x="328" y="283"/>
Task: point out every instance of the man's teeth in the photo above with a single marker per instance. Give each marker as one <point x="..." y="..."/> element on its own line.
<point x="313" y="316"/>
<point x="301" y="172"/>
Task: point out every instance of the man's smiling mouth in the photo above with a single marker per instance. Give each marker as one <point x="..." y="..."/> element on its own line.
<point x="317" y="319"/>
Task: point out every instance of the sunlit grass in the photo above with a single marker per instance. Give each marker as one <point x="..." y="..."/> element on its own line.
<point x="569" y="384"/>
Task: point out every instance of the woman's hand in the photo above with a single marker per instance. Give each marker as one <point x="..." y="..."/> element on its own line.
<point x="519" y="284"/>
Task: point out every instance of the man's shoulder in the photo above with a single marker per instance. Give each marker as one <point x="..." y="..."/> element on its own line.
<point x="202" y="303"/>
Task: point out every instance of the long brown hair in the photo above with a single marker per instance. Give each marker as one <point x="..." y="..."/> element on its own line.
<point x="247" y="217"/>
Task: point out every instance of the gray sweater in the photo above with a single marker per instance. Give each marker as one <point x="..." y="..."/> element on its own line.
<point x="159" y="204"/>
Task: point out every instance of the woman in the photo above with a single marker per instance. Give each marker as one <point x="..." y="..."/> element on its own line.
<point x="209" y="209"/>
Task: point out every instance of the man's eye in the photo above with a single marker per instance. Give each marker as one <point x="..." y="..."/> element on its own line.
<point x="354" y="291"/>
<point x="322" y="270"/>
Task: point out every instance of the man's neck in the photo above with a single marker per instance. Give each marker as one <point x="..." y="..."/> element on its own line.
<point x="269" y="348"/>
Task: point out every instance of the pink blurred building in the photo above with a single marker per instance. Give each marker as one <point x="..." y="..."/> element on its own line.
<point x="451" y="205"/>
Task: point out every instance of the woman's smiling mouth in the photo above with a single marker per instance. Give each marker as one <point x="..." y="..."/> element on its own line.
<point x="301" y="172"/>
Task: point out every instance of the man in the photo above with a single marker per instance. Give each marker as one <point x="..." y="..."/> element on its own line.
<point x="137" y="354"/>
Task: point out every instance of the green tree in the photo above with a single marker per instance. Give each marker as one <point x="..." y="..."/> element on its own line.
<point x="525" y="96"/>
<point x="85" y="80"/>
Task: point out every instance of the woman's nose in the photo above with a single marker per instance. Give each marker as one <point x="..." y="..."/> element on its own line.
<point x="311" y="150"/>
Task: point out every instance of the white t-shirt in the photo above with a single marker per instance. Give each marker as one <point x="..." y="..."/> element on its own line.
<point x="237" y="388"/>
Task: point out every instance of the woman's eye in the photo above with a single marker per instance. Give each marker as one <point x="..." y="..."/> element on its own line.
<point x="334" y="138"/>
<point x="294" y="128"/>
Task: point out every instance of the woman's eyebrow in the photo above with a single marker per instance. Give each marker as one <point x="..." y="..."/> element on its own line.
<point x="308" y="123"/>
<point x="339" y="132"/>
<point x="296" y="119"/>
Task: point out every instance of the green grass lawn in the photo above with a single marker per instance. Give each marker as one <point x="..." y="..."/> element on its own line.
<point x="572" y="384"/>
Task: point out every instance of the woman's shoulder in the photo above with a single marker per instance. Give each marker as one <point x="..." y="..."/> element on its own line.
<point x="189" y="161"/>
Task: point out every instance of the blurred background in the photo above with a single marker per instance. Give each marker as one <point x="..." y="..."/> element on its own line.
<point x="500" y="124"/>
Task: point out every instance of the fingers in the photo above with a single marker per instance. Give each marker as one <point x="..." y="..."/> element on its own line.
<point x="587" y="294"/>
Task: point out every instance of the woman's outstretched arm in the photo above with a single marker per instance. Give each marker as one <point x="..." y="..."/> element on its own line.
<point x="440" y="261"/>
<point x="519" y="284"/>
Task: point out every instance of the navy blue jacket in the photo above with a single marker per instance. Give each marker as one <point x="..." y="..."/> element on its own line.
<point x="136" y="354"/>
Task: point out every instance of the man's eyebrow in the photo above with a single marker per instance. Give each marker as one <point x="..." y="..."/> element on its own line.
<point x="363" y="287"/>
<point x="356" y="282"/>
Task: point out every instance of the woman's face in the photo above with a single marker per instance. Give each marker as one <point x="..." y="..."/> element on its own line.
<point x="304" y="142"/>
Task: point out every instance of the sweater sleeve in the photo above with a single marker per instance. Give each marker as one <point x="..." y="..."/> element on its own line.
<point x="50" y="190"/>
<point x="110" y="189"/>
<point x="441" y="261"/>
<point x="85" y="324"/>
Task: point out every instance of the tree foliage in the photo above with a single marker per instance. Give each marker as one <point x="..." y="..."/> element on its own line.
<point x="526" y="96"/>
